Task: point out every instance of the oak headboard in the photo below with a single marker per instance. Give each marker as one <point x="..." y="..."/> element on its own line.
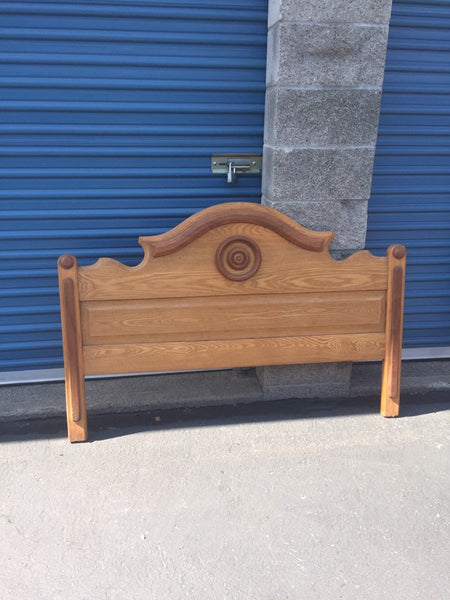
<point x="235" y="285"/>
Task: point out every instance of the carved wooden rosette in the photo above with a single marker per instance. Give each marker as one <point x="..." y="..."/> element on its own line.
<point x="238" y="258"/>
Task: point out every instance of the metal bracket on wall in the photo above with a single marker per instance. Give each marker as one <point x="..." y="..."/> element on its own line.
<point x="233" y="165"/>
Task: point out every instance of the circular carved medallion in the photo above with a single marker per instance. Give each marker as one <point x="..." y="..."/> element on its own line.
<point x="238" y="258"/>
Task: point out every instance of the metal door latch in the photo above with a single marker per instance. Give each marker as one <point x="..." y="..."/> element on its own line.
<point x="233" y="165"/>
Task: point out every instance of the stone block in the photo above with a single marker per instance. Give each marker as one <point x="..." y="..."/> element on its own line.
<point x="338" y="11"/>
<point x="273" y="55"/>
<point x="298" y="117"/>
<point x="347" y="218"/>
<point x="270" y="112"/>
<point x="331" y="55"/>
<point x="274" y="12"/>
<point x="331" y="380"/>
<point x="317" y="174"/>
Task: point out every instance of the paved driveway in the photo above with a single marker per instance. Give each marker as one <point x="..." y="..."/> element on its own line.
<point x="291" y="504"/>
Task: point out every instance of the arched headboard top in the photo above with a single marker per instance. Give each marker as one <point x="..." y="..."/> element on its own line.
<point x="231" y="213"/>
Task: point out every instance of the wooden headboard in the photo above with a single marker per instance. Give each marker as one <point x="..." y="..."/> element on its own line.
<point x="235" y="285"/>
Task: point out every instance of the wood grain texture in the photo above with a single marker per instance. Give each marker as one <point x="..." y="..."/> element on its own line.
<point x="396" y="330"/>
<point x="195" y="319"/>
<point x="390" y="389"/>
<point x="236" y="213"/>
<point x="72" y="349"/>
<point x="74" y="356"/>
<point x="224" y="354"/>
<point x="192" y="272"/>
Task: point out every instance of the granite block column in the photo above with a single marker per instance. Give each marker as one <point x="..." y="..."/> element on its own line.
<point x="325" y="67"/>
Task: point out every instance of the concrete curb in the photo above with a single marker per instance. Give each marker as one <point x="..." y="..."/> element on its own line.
<point x="200" y="389"/>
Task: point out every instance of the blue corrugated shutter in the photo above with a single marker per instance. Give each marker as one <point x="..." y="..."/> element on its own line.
<point x="410" y="200"/>
<point x="110" y="112"/>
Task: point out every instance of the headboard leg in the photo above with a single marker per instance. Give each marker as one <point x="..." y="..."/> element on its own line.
<point x="390" y="387"/>
<point x="72" y="347"/>
<point x="76" y="411"/>
<point x="390" y="404"/>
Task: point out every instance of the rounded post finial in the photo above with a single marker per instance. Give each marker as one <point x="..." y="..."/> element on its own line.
<point x="66" y="261"/>
<point x="399" y="251"/>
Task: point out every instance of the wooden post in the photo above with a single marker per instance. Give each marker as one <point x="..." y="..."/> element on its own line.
<point x="390" y="390"/>
<point x="72" y="346"/>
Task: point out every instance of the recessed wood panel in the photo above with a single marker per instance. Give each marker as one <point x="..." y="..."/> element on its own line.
<point x="224" y="354"/>
<point x="195" y="319"/>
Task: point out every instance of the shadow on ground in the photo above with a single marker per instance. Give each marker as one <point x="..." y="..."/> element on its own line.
<point x="106" y="426"/>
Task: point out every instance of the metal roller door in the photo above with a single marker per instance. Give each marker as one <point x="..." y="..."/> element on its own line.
<point x="410" y="200"/>
<point x="110" y="112"/>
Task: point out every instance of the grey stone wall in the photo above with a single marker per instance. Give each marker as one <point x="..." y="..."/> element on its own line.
<point x="325" y="67"/>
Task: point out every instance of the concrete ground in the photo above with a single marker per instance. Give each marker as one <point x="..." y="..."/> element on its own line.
<point x="288" y="500"/>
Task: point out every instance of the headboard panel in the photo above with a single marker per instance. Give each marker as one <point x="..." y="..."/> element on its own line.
<point x="234" y="285"/>
<point x="216" y="317"/>
<point x="193" y="270"/>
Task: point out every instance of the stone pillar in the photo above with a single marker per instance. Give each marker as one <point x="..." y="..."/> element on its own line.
<point x="325" y="67"/>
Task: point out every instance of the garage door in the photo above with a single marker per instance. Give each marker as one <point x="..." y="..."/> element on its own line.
<point x="110" y="112"/>
<point x="410" y="200"/>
